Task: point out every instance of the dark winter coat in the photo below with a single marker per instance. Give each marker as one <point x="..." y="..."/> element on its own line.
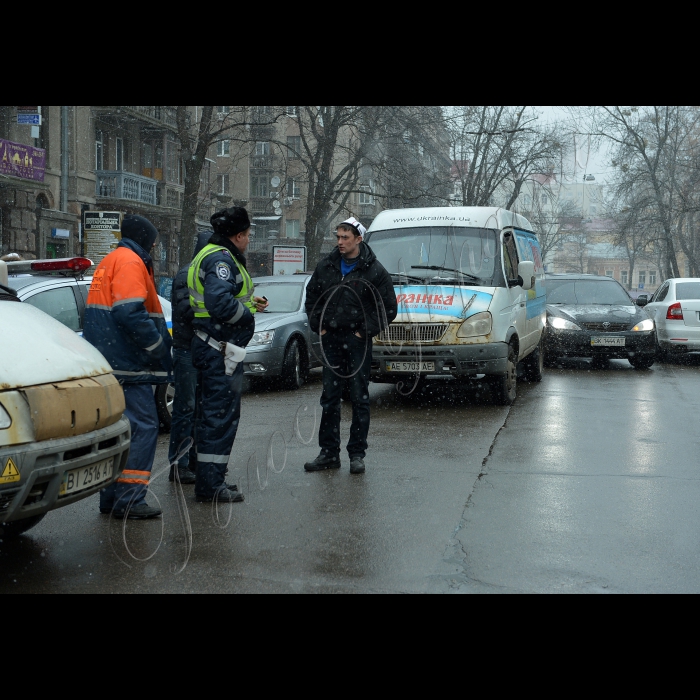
<point x="364" y="300"/>
<point x="230" y="319"/>
<point x="183" y="313"/>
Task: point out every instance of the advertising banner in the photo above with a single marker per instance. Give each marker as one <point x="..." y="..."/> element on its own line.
<point x="19" y="160"/>
<point x="286" y="260"/>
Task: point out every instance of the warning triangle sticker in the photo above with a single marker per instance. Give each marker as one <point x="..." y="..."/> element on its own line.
<point x="10" y="473"/>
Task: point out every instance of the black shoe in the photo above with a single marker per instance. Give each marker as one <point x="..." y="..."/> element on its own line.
<point x="186" y="476"/>
<point x="323" y="461"/>
<point x="140" y="512"/>
<point x="106" y="511"/>
<point x="225" y="494"/>
<point x="357" y="465"/>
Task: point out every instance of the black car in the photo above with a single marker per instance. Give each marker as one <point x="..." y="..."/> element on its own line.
<point x="594" y="316"/>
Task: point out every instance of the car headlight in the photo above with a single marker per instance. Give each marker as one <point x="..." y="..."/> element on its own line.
<point x="478" y="324"/>
<point x="562" y="324"/>
<point x="5" y="420"/>
<point x="646" y="325"/>
<point x="262" y="338"/>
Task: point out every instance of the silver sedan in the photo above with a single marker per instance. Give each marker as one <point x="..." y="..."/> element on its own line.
<point x="283" y="345"/>
<point x="675" y="307"/>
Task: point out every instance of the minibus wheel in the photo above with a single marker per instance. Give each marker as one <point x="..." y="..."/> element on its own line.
<point x="504" y="386"/>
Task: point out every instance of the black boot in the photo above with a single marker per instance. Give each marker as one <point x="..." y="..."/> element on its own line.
<point x="323" y="461"/>
<point x="357" y="465"/>
<point x="185" y="475"/>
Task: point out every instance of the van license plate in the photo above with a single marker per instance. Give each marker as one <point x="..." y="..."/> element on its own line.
<point x="410" y="366"/>
<point x="86" y="477"/>
<point x="614" y="342"/>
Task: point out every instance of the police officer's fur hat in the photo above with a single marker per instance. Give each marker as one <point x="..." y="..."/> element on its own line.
<point x="229" y="222"/>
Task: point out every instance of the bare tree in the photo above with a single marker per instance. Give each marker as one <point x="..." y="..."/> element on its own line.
<point x="497" y="149"/>
<point x="198" y="130"/>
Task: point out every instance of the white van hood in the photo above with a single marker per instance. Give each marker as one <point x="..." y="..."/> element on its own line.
<point x="37" y="349"/>
<point x="437" y="303"/>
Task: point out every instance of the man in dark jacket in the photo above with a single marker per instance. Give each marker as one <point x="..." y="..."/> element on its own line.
<point x="182" y="426"/>
<point x="124" y="321"/>
<point x="349" y="299"/>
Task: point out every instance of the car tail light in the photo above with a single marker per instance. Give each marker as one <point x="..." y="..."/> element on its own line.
<point x="675" y="313"/>
<point x="73" y="264"/>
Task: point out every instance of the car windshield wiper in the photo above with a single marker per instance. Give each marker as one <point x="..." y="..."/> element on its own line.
<point x="445" y="269"/>
<point x="407" y="276"/>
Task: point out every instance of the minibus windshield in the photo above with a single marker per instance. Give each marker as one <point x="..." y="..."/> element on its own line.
<point x="435" y="254"/>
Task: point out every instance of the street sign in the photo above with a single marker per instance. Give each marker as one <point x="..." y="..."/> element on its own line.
<point x="286" y="260"/>
<point x="103" y="221"/>
<point x="102" y="233"/>
<point x="34" y="119"/>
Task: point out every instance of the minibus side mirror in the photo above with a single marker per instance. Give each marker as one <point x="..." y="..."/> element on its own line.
<point x="526" y="270"/>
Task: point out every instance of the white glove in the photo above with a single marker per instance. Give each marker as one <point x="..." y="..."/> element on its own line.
<point x="232" y="357"/>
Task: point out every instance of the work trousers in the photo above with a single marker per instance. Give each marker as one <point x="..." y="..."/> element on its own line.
<point x="218" y="414"/>
<point x="346" y="354"/>
<point x="183" y="419"/>
<point x="130" y="488"/>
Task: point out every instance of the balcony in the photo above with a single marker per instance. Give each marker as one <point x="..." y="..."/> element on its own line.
<point x="262" y="162"/>
<point x="170" y="195"/>
<point x="155" y="116"/>
<point x="117" y="184"/>
<point x="260" y="205"/>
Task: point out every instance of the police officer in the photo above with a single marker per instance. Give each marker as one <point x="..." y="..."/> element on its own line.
<point x="182" y="426"/>
<point x="221" y="294"/>
<point x="124" y="321"/>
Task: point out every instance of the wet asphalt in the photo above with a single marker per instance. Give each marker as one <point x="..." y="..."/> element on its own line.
<point x="587" y="484"/>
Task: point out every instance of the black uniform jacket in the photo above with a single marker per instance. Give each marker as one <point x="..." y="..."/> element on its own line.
<point x="363" y="301"/>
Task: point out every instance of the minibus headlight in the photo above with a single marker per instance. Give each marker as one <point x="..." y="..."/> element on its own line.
<point x="478" y="324"/>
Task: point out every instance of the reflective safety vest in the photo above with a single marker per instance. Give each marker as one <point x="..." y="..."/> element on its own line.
<point x="195" y="278"/>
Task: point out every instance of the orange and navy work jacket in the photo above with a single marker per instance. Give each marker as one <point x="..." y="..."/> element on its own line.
<point x="124" y="319"/>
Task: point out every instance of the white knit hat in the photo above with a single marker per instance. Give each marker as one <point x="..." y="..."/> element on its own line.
<point x="352" y="221"/>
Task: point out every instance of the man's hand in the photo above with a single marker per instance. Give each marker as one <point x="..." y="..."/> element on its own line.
<point x="357" y="333"/>
<point x="323" y="332"/>
<point x="260" y="303"/>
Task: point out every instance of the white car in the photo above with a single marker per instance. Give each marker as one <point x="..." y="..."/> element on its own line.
<point x="675" y="307"/>
<point x="62" y="433"/>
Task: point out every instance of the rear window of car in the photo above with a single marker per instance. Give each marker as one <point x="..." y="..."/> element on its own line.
<point x="687" y="290"/>
<point x="585" y="292"/>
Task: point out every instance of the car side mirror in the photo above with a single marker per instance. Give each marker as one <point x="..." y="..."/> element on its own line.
<point x="526" y="271"/>
<point x="642" y="300"/>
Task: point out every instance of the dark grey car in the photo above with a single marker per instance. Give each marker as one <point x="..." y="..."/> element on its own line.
<point x="283" y="345"/>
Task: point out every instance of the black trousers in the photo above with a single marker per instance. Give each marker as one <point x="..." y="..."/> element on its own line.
<point x="346" y="354"/>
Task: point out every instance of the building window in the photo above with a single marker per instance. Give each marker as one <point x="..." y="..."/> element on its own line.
<point x="642" y="278"/>
<point x="99" y="149"/>
<point x="293" y="228"/>
<point x="258" y="186"/>
<point x="367" y="193"/>
<point x="652" y="277"/>
<point x="263" y="110"/>
<point x="293" y="147"/>
<point x="262" y="148"/>
<point x="293" y="188"/>
<point x="292" y="111"/>
<point x="594" y="209"/>
<point x="623" y="276"/>
<point x="119" y="160"/>
<point x="609" y="273"/>
<point x="222" y="183"/>
<point x="173" y="162"/>
<point x="223" y="110"/>
<point x="544" y="199"/>
<point x="223" y="148"/>
<point x="527" y="200"/>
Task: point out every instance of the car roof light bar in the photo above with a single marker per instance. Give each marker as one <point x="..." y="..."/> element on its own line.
<point x="77" y="264"/>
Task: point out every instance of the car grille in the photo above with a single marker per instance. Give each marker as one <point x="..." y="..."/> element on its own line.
<point x="603" y="328"/>
<point x="412" y="333"/>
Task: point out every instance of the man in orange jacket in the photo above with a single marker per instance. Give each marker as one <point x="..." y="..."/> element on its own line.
<point x="124" y="321"/>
